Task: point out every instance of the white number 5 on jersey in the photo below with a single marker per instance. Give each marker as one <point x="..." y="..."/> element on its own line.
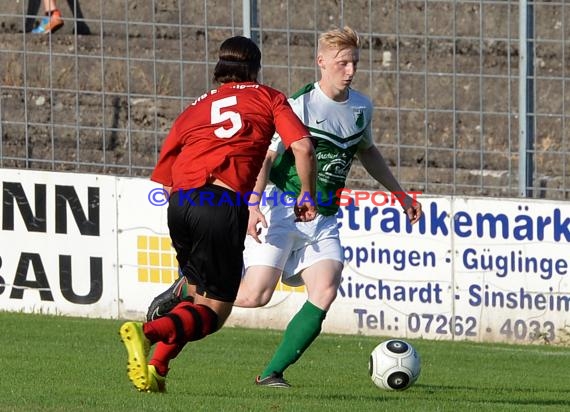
<point x="218" y="116"/>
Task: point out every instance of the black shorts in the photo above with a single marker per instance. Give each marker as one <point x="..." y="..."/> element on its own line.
<point x="208" y="226"/>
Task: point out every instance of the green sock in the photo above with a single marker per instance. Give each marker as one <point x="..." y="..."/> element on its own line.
<point x="300" y="333"/>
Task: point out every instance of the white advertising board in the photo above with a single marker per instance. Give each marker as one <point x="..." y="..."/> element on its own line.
<point x="511" y="268"/>
<point x="395" y="274"/>
<point x="472" y="269"/>
<point x="147" y="263"/>
<point x="394" y="271"/>
<point x="57" y="244"/>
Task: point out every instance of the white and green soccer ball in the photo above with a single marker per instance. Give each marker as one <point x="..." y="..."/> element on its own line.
<point x="394" y="365"/>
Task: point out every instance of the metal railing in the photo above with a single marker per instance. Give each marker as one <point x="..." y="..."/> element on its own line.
<point x="471" y="97"/>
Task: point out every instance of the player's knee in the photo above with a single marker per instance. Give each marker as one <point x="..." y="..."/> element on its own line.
<point x="253" y="300"/>
<point x="264" y="298"/>
<point x="244" y="300"/>
<point x="252" y="297"/>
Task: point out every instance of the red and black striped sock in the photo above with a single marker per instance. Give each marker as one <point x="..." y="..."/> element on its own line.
<point x="187" y="322"/>
<point x="163" y="354"/>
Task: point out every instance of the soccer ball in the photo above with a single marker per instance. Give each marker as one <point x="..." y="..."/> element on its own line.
<point x="394" y="365"/>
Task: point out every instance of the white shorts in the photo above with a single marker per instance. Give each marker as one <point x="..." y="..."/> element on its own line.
<point x="292" y="246"/>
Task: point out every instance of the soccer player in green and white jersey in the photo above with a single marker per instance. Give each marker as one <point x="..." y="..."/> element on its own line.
<point x="310" y="253"/>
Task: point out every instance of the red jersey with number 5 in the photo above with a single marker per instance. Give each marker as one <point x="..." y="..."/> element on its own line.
<point x="224" y="135"/>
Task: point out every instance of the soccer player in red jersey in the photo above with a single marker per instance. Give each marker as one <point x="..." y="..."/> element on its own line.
<point x="209" y="163"/>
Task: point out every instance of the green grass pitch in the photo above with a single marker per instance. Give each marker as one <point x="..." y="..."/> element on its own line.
<point x="50" y="363"/>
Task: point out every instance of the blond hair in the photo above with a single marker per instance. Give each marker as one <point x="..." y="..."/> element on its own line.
<point x="339" y="39"/>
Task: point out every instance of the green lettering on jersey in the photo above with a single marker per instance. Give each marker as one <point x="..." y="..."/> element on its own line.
<point x="333" y="165"/>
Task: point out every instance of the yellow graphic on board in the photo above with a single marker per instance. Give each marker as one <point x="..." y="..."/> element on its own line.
<point x="156" y="261"/>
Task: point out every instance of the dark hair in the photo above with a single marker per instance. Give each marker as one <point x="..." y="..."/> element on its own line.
<point x="239" y="61"/>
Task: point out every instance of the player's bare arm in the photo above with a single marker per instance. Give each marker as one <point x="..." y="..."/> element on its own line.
<point x="376" y="166"/>
<point x="256" y="217"/>
<point x="306" y="164"/>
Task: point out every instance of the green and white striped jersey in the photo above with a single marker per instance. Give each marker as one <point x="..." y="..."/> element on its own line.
<point x="338" y="129"/>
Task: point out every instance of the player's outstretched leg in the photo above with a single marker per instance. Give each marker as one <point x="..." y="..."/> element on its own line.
<point x="138" y="347"/>
<point x="301" y="331"/>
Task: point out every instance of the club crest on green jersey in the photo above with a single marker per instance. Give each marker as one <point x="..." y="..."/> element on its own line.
<point x="359" y="117"/>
